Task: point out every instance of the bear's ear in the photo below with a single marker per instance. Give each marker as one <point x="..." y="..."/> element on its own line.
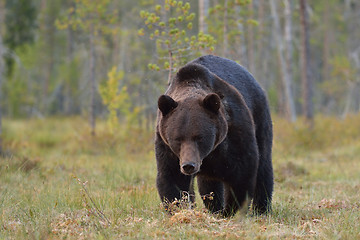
<point x="212" y="102"/>
<point x="166" y="104"/>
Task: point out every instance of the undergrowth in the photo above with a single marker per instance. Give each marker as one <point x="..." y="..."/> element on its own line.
<point x="58" y="182"/>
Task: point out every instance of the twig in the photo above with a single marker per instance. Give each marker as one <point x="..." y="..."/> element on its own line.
<point x="97" y="210"/>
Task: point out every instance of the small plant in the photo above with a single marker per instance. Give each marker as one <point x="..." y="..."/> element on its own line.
<point x="185" y="202"/>
<point x="117" y="100"/>
<point x="169" y="27"/>
<point x="113" y="96"/>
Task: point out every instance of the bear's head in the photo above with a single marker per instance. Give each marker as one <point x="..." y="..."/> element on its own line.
<point x="192" y="127"/>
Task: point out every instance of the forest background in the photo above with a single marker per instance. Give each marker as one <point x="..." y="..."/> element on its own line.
<point x="50" y="55"/>
<point x="79" y="82"/>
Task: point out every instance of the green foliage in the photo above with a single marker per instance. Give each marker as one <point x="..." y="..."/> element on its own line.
<point x="16" y="88"/>
<point x="16" y="94"/>
<point x="19" y="30"/>
<point x="117" y="100"/>
<point x="169" y="26"/>
<point x="93" y="16"/>
<point x="226" y="19"/>
<point x="71" y="75"/>
<point x="342" y="73"/>
<point x="343" y="69"/>
<point x="52" y="80"/>
<point x="49" y="79"/>
<point x="20" y="25"/>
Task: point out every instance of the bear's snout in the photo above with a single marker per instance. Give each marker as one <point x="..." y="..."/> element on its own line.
<point x="189" y="158"/>
<point x="189" y="168"/>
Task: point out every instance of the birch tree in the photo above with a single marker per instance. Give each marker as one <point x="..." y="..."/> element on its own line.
<point x="203" y="14"/>
<point x="284" y="68"/>
<point x="1" y="80"/>
<point x="307" y="85"/>
<point x="250" y="38"/>
<point x="353" y="54"/>
<point x="1" y="70"/>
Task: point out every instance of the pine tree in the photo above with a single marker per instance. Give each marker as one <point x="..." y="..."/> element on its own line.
<point x="173" y="44"/>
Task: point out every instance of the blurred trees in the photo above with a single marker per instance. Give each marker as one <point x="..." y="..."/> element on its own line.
<point x="18" y="35"/>
<point x="54" y="72"/>
<point x="96" y="20"/>
<point x="19" y="30"/>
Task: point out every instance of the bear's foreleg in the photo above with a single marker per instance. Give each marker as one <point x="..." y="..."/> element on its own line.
<point x="171" y="184"/>
<point x="212" y="193"/>
<point x="175" y="189"/>
<point x="237" y="196"/>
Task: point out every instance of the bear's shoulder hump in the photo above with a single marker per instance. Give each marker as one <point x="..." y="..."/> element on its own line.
<point x="193" y="71"/>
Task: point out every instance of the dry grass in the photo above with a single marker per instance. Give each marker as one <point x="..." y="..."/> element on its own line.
<point x="316" y="196"/>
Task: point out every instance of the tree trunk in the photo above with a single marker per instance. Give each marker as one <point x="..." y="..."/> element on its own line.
<point x="203" y="14"/>
<point x="353" y="49"/>
<point x="1" y="80"/>
<point x="284" y="68"/>
<point x="289" y="56"/>
<point x="250" y="38"/>
<point x="93" y="84"/>
<point x="261" y="51"/>
<point x="240" y="52"/>
<point x="124" y="43"/>
<point x="2" y="67"/>
<point x="170" y="56"/>
<point x="355" y="56"/>
<point x="70" y="60"/>
<point x="326" y="48"/>
<point x="349" y="98"/>
<point x="49" y="37"/>
<point x="306" y="80"/>
<point x="225" y="36"/>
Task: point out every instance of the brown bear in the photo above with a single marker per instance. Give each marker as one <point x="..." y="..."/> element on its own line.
<point x="214" y="123"/>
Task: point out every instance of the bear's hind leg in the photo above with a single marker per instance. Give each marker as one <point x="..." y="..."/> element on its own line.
<point x="212" y="193"/>
<point x="265" y="179"/>
<point x="263" y="192"/>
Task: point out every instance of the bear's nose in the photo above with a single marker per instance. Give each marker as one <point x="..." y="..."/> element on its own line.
<point x="188" y="168"/>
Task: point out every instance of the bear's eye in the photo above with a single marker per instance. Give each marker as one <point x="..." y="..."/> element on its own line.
<point x="197" y="138"/>
<point x="179" y="139"/>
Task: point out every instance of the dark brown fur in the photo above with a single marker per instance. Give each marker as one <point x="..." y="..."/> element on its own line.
<point x="214" y="123"/>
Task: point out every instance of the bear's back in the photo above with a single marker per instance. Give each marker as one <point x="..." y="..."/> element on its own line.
<point x="236" y="75"/>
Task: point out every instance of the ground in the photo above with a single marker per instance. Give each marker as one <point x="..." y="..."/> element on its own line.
<point x="57" y="182"/>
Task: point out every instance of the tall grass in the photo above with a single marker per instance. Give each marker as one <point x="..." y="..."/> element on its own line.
<point x="56" y="179"/>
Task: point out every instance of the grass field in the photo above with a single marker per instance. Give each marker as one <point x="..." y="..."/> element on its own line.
<point x="56" y="182"/>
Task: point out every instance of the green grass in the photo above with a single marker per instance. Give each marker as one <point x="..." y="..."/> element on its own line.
<point x="56" y="182"/>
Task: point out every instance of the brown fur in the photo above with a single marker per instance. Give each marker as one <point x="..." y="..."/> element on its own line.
<point x="218" y="130"/>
